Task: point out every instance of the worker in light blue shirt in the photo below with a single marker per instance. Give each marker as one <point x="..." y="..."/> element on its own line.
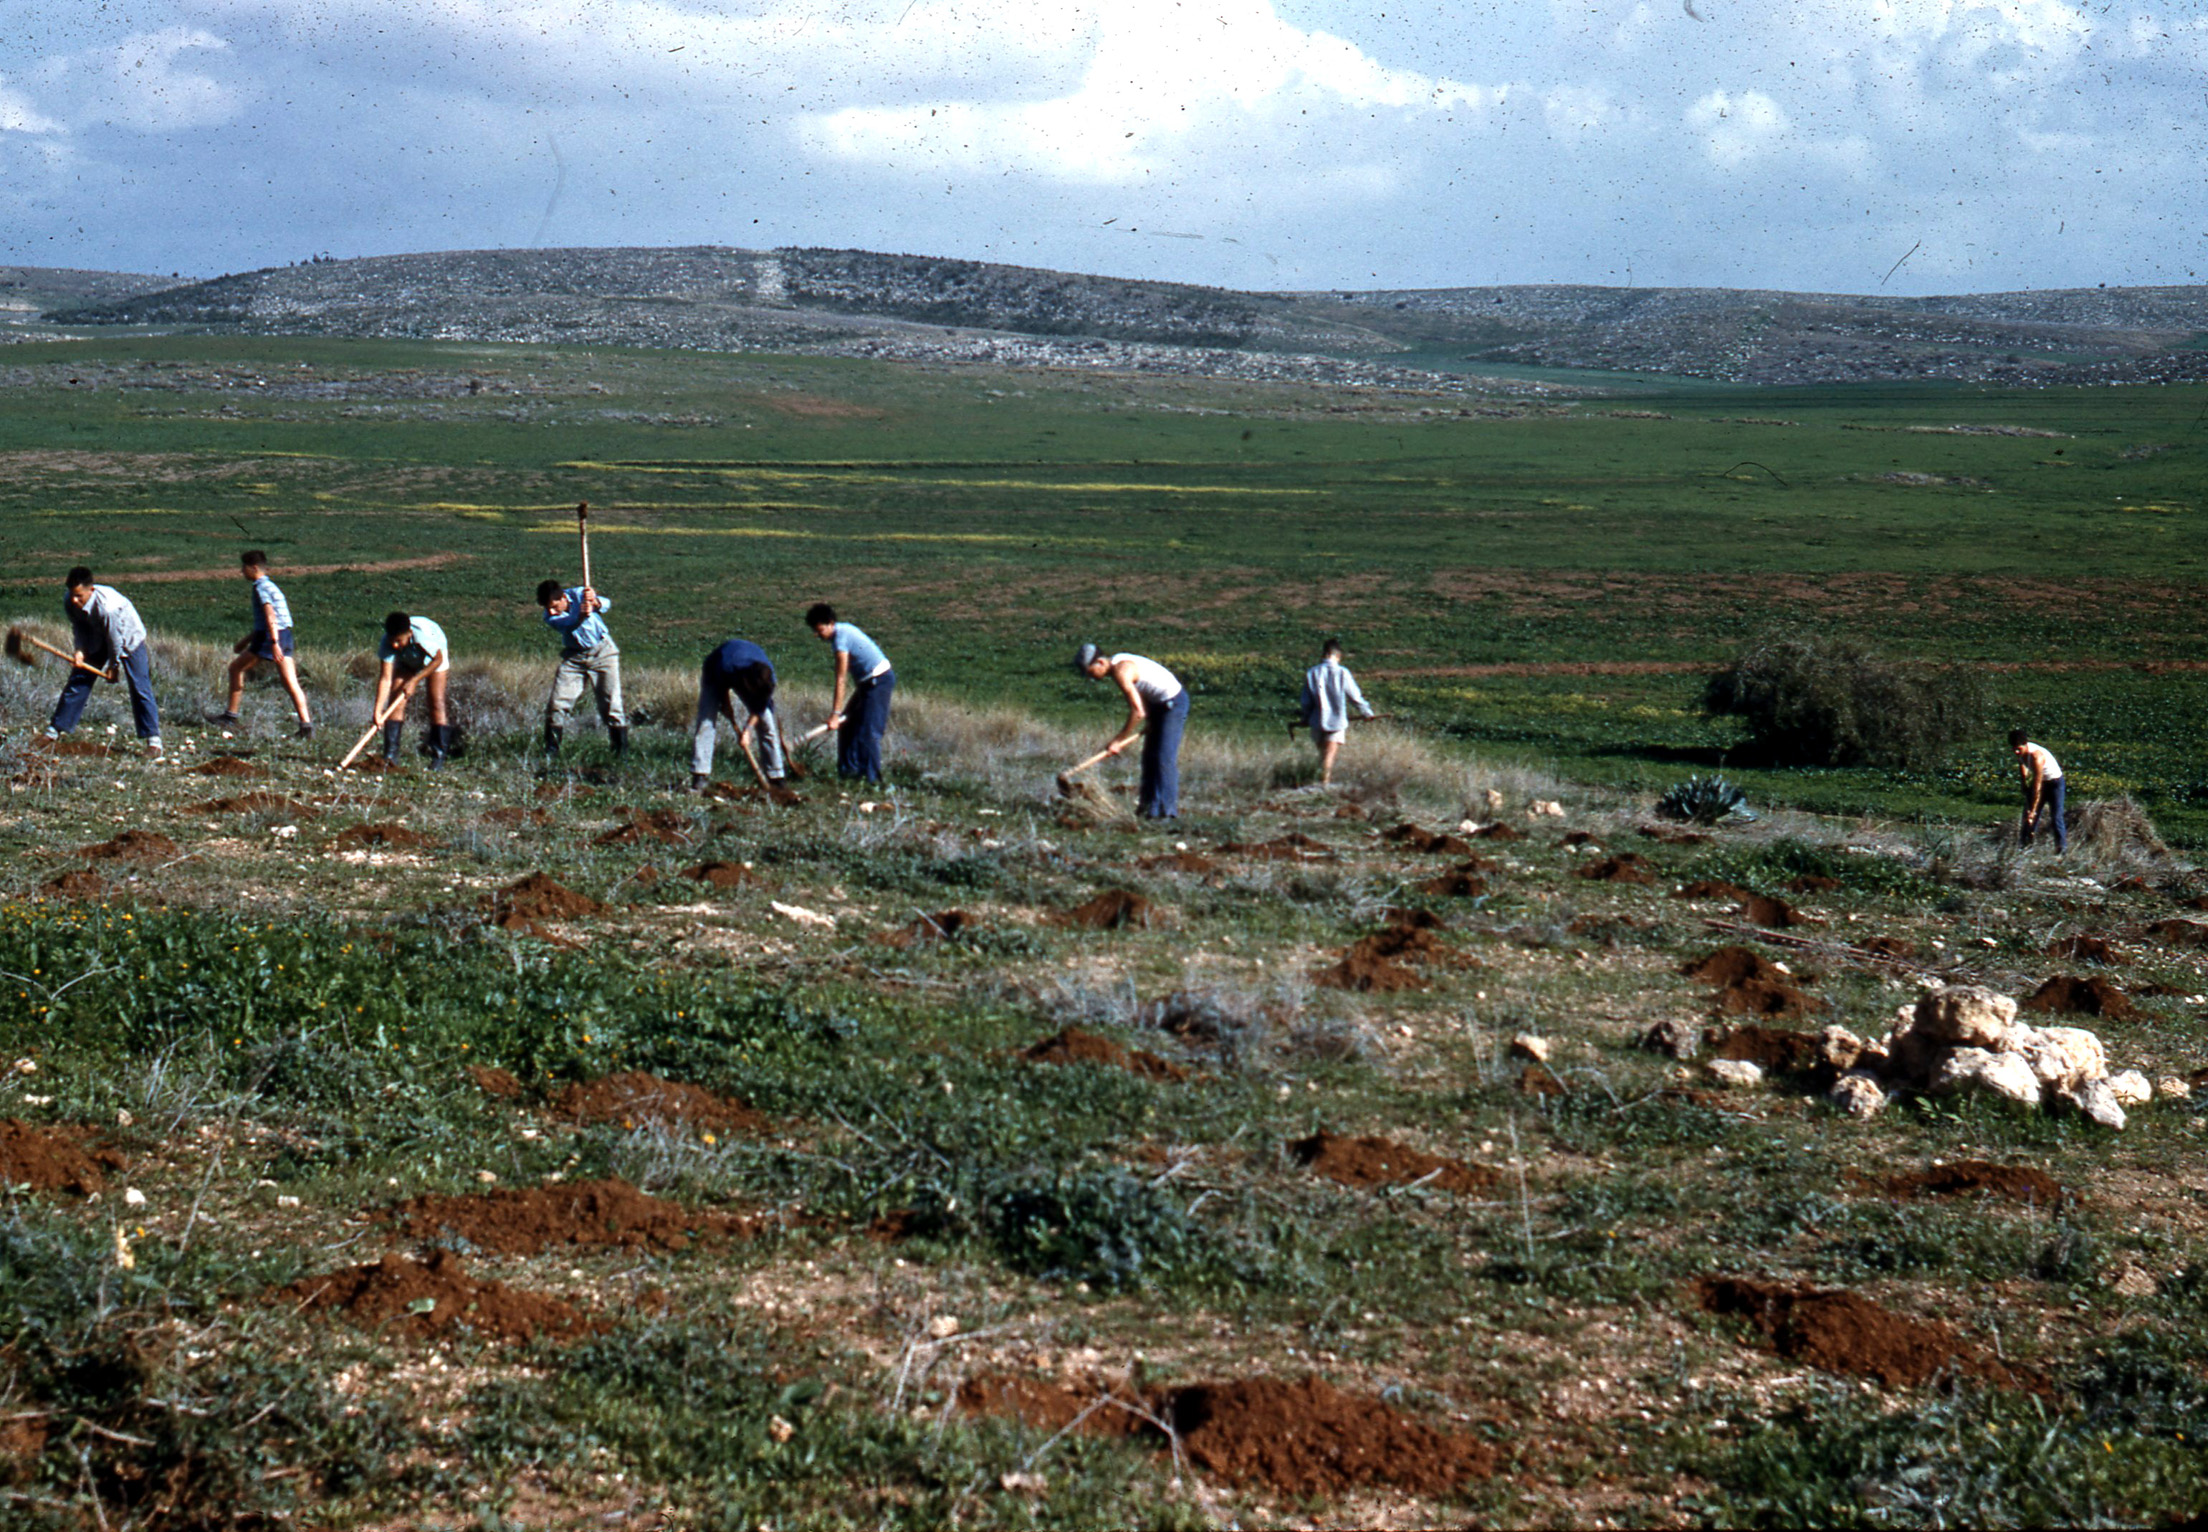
<point x="1329" y="690"/>
<point x="110" y="641"/>
<point x="588" y="659"/>
<point x="863" y="671"/>
<point x="269" y="639"/>
<point x="412" y="656"/>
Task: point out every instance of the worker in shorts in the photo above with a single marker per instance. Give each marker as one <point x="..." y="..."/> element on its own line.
<point x="2042" y="779"/>
<point x="588" y="659"/>
<point x="864" y="672"/>
<point x="1157" y="709"/>
<point x="414" y="657"/>
<point x="738" y="671"/>
<point x="110" y="637"/>
<point x="270" y="640"/>
<point x="1328" y="691"/>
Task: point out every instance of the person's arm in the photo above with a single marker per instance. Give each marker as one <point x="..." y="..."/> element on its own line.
<point x="1349" y="683"/>
<point x="385" y="676"/>
<point x="1125" y="676"/>
<point x="593" y="602"/>
<point x="2033" y="785"/>
<point x="268" y="617"/>
<point x="843" y="679"/>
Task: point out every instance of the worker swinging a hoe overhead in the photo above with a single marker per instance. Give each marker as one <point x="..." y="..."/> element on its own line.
<point x="589" y="659"/>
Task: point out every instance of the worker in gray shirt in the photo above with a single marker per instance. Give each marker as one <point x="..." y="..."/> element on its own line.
<point x="110" y="638"/>
<point x="1328" y="691"/>
<point x="588" y="658"/>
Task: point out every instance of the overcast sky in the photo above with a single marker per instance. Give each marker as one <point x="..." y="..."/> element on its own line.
<point x="1982" y="144"/>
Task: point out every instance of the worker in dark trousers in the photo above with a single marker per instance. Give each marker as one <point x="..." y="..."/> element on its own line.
<point x="862" y="671"/>
<point x="110" y="637"/>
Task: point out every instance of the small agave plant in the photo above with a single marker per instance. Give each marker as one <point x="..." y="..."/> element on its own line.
<point x="1705" y="800"/>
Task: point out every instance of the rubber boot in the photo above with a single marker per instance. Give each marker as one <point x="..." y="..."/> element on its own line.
<point x="440" y="736"/>
<point x="553" y="734"/>
<point x="391" y="733"/>
<point x="619" y="734"/>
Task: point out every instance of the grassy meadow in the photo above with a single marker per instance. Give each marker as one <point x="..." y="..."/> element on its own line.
<point x="529" y="1146"/>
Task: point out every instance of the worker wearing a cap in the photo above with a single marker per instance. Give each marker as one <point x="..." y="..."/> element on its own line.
<point x="1157" y="709"/>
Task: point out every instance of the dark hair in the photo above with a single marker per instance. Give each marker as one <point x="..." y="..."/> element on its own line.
<point x="546" y="590"/>
<point x="79" y="576"/>
<point x="818" y="613"/>
<point x="2018" y="737"/>
<point x="253" y="558"/>
<point x="1331" y="646"/>
<point x="756" y="681"/>
<point x="395" y="623"/>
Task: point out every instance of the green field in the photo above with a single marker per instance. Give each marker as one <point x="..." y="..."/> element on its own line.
<point x="980" y="523"/>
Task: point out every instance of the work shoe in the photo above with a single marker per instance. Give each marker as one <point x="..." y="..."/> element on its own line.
<point x="222" y="720"/>
<point x="699" y="781"/>
<point x="154" y="752"/>
<point x="438" y="734"/>
<point x="619" y="734"/>
<point x="305" y="730"/>
<point x="553" y="734"/>
<point x="391" y="733"/>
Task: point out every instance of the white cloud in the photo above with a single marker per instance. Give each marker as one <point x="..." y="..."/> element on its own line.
<point x="1737" y="128"/>
<point x="18" y="115"/>
<point x="151" y="81"/>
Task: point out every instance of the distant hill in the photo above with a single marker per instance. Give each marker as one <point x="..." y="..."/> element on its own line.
<point x="856" y="302"/>
<point x="28" y="292"/>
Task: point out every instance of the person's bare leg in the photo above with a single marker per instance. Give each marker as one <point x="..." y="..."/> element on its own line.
<point x="240" y="668"/>
<point x="1327" y="752"/>
<point x="288" y="668"/>
<point x="436" y="685"/>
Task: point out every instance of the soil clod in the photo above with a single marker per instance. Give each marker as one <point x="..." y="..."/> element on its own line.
<point x="1750" y="984"/>
<point x="519" y="907"/>
<point x="258" y="803"/>
<point x="53" y="1159"/>
<point x="1844" y="1332"/>
<point x="2084" y="949"/>
<point x="1295" y="846"/>
<point x="942" y="926"/>
<point x="723" y="875"/>
<point x="527" y="1222"/>
<point x="388" y="1297"/>
<point x="632" y="1099"/>
<point x="1370" y="1161"/>
<point x="1074" y="1046"/>
<point x="76" y="883"/>
<point x="1110" y="910"/>
<point x="1772" y="913"/>
<point x="1625" y="867"/>
<point x="1419" y="838"/>
<point x="2072" y="995"/>
<point x="227" y="766"/>
<point x="2018" y="1183"/>
<point x="132" y="846"/>
<point x="1179" y="861"/>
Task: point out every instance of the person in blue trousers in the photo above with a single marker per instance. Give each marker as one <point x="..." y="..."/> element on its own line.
<point x="110" y="637"/>
<point x="863" y="672"/>
<point x="1157" y="709"/>
<point x="2042" y="776"/>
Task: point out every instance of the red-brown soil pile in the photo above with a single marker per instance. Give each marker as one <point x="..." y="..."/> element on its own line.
<point x="1844" y="1332"/>
<point x="386" y="1296"/>
<point x="667" y="826"/>
<point x="1179" y="861"/>
<point x="1110" y="910"/>
<point x="132" y="846"/>
<point x="2067" y="993"/>
<point x="1074" y="1046"/>
<point x="520" y="906"/>
<point x="942" y="926"/>
<point x="632" y="1098"/>
<point x="77" y="883"/>
<point x="227" y="766"/>
<point x="498" y="1084"/>
<point x="381" y="838"/>
<point x="2177" y="933"/>
<point x="518" y="816"/>
<point x="1775" y="1050"/>
<point x="1374" y="964"/>
<point x="1888" y="946"/>
<point x="1369" y="1161"/>
<point x="1458" y="883"/>
<point x="1306" y="1438"/>
<point x="1625" y="867"/>
<point x="527" y="1222"/>
<point x="1418" y="838"/>
<point x="1714" y="888"/>
<point x="2018" y="1183"/>
<point x="1772" y="913"/>
<point x="256" y="803"/>
<point x="374" y="765"/>
<point x="723" y="875"/>
<point x="53" y="1159"/>
<point x="2084" y="949"/>
<point x="1749" y="984"/>
<point x="1292" y="847"/>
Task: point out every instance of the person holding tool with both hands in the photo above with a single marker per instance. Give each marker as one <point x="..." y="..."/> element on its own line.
<point x="1157" y="709"/>
<point x="413" y="653"/>
<point x="110" y="642"/>
<point x="863" y="670"/>
<point x="589" y="658"/>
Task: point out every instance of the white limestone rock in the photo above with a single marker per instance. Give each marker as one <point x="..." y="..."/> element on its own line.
<point x="2130" y="1088"/>
<point x="1739" y="1073"/>
<point x="1858" y="1094"/>
<point x="2002" y="1075"/>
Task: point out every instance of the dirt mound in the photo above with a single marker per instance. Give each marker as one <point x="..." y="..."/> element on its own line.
<point x="1714" y="888"/>
<point x="520" y="906"/>
<point x="1775" y="1050"/>
<point x="1887" y="946"/>
<point x="526" y="1222"/>
<point x="1421" y="839"/>
<point x="633" y="1098"/>
<point x="1179" y="861"/>
<point x="498" y="1084"/>
<point x="1625" y="867"/>
<point x="1844" y="1332"/>
<point x="390" y="1295"/>
<point x="2084" y="949"/>
<point x="77" y="883"/>
<point x="518" y="816"/>
<point x="1813" y="883"/>
<point x="1734" y="965"/>
<point x="132" y="846"/>
<point x="1457" y="883"/>
<point x="1750" y="984"/>
<point x="227" y="766"/>
<point x="1498" y="831"/>
<point x="80" y="747"/>
<point x="1773" y="914"/>
<point x="1074" y="1046"/>
<point x="942" y="926"/>
<point x="667" y="826"/>
<point x="562" y="791"/>
<point x="2019" y="1183"/>
<point x="1371" y="1161"/>
<point x="2067" y="993"/>
<point x="374" y="765"/>
<point x="1295" y="846"/>
<point x="1110" y="910"/>
<point x="1308" y="1438"/>
<point x="1374" y="963"/>
<point x="723" y="875"/>
<point x="2176" y="933"/>
<point x="257" y="803"/>
<point x="384" y="837"/>
<point x="53" y="1159"/>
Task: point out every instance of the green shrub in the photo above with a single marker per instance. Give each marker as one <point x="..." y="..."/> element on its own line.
<point x="1815" y="700"/>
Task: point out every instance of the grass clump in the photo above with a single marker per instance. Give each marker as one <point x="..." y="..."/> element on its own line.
<point x="1812" y="699"/>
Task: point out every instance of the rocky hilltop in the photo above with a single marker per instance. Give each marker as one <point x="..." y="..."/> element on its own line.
<point x="855" y="302"/>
